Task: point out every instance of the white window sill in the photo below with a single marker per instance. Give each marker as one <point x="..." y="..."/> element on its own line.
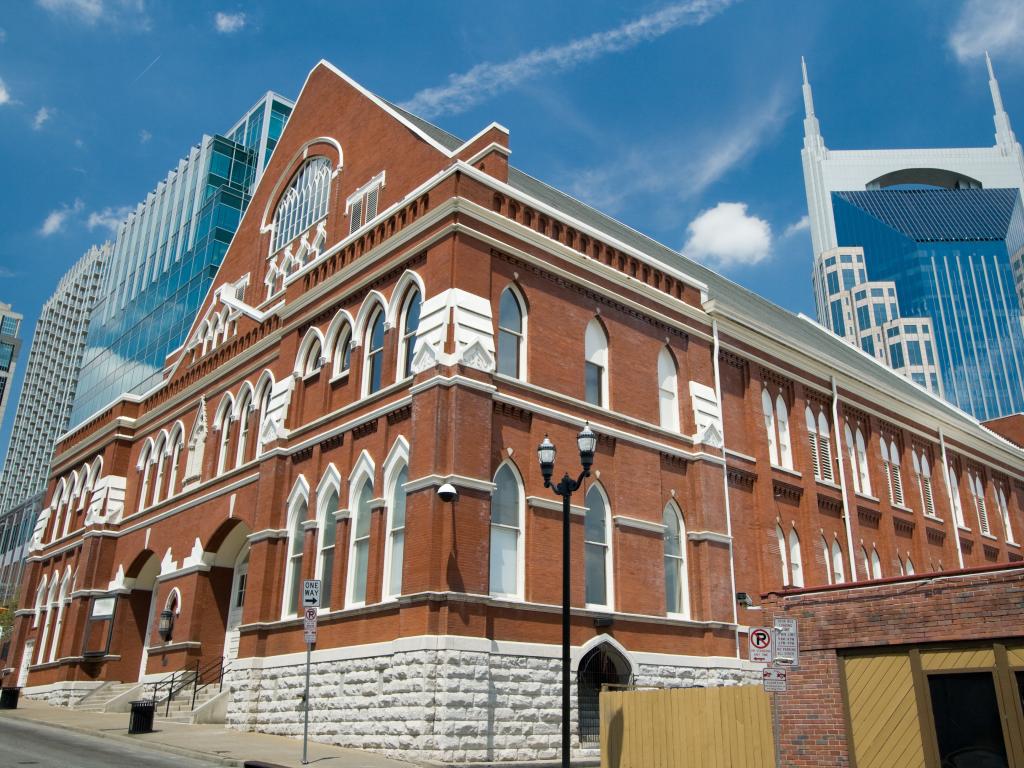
<point x="598" y="607"/>
<point x="340" y="377"/>
<point x="867" y="497"/>
<point x="989" y="536"/>
<point x="964" y="528"/>
<point x="681" y="616"/>
<point x="827" y="484"/>
<point x="933" y="518"/>
<point x="311" y="374"/>
<point x="788" y="471"/>
<point x="902" y="508"/>
<point x="1013" y="544"/>
<point x="503" y="596"/>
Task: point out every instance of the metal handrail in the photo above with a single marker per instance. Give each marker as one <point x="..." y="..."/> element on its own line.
<point x="219" y="667"/>
<point x="174" y="683"/>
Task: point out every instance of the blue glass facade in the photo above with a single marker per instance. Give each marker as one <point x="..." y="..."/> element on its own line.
<point x="949" y="252"/>
<point x="166" y="256"/>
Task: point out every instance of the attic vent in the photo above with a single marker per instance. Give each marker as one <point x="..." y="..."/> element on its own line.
<point x="362" y="205"/>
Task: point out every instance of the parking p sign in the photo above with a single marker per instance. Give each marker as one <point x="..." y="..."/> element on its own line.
<point x="311" y="593"/>
<point x="760" y="645"/>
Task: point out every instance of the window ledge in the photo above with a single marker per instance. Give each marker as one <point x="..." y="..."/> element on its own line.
<point x="311" y="374"/>
<point x="989" y="536"/>
<point x="866" y="496"/>
<point x="827" y="484"/>
<point x="901" y="508"/>
<point x="964" y="528"/>
<point x="788" y="471"/>
<point x="1013" y="544"/>
<point x="340" y="377"/>
<point x="933" y="518"/>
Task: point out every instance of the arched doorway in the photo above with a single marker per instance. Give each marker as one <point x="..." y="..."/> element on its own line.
<point x="238" y="584"/>
<point x="602" y="665"/>
<point x="144" y="570"/>
<point x="230" y="543"/>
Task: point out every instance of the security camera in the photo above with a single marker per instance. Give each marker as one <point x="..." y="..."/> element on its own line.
<point x="447" y="492"/>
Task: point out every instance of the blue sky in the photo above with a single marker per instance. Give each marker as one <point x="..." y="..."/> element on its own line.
<point x="657" y="112"/>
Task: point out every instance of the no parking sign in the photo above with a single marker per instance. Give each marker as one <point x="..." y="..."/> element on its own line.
<point x="760" y="645"/>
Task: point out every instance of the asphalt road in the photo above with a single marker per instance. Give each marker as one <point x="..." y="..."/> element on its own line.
<point x="28" y="744"/>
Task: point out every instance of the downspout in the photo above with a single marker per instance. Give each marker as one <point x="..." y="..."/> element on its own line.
<point x="725" y="489"/>
<point x="949" y="498"/>
<point x="841" y="449"/>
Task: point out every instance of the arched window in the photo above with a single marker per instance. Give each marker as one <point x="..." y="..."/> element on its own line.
<point x="780" y="538"/>
<point x="597" y="549"/>
<point x="264" y="390"/>
<point x="223" y="424"/>
<point x="511" y="335"/>
<point x="891" y="465"/>
<point x="851" y="453"/>
<point x="343" y="350"/>
<point x="899" y="565"/>
<point x="360" y="554"/>
<point x="924" y="483"/>
<point x="58" y="625"/>
<point x="158" y="460"/>
<point x="396" y="534"/>
<point x="143" y="466"/>
<point x="506" y="571"/>
<point x="954" y="495"/>
<point x="298" y="506"/>
<point x="244" y="417"/>
<point x="313" y="358"/>
<point x="677" y="593"/>
<point x="837" y="563"/>
<point x="796" y="563"/>
<point x="818" y="436"/>
<point x="374" y="351"/>
<point x="978" y="492"/>
<point x="865" y="562"/>
<point x="328" y="527"/>
<point x="40" y="602"/>
<point x="862" y="464"/>
<point x="51" y="603"/>
<point x="826" y="560"/>
<point x="782" y="421"/>
<point x="410" y="324"/>
<point x="596" y="365"/>
<point x="668" y="392"/>
<point x="876" y="564"/>
<point x="1004" y="512"/>
<point x="768" y="411"/>
<point x="177" y="445"/>
<point x="304" y="202"/>
<point x="909" y="566"/>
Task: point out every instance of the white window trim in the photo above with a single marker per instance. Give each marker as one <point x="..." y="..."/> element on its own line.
<point x="520" y="593"/>
<point x="397" y="460"/>
<point x="609" y="568"/>
<point x="362" y="474"/>
<point x="520" y="300"/>
<point x="299" y="496"/>
<point x="684" y="566"/>
<point x="329" y="483"/>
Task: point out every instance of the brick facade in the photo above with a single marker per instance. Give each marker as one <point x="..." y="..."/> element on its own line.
<point x="171" y="490"/>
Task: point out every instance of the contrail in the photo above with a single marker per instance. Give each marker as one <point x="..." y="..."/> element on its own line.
<point x="154" y="61"/>
<point x="468" y="89"/>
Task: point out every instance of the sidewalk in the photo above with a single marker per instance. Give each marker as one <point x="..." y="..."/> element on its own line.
<point x="213" y="743"/>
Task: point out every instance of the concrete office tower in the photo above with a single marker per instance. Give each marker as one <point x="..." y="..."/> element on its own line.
<point x="166" y="254"/>
<point x="945" y="227"/>
<point x="10" y="344"/>
<point x="54" y="361"/>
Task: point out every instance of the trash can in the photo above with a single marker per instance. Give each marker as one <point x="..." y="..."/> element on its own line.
<point x="141" y="720"/>
<point x="9" y="698"/>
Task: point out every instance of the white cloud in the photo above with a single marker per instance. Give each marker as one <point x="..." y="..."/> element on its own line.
<point x="42" y="116"/>
<point x="144" y="136"/>
<point x="108" y="218"/>
<point x="226" y="23"/>
<point x="5" y="95"/>
<point x="727" y="236"/>
<point x="680" y="167"/>
<point x="5" y="272"/>
<point x="54" y="221"/>
<point x="464" y="90"/>
<point x="3" y="35"/>
<point x="802" y="225"/>
<point x="995" y="26"/>
<point x="90" y="12"/>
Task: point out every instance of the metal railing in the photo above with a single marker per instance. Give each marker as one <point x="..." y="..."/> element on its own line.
<point x="173" y="684"/>
<point x="211" y="674"/>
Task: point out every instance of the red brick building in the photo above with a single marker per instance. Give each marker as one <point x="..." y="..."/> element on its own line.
<point x="401" y="309"/>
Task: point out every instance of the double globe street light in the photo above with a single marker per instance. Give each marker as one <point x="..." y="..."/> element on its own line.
<point x="586" y="441"/>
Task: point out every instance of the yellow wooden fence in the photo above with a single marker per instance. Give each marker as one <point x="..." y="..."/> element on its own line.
<point x="728" y="727"/>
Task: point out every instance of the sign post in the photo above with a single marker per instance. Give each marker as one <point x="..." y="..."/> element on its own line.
<point x="310" y="606"/>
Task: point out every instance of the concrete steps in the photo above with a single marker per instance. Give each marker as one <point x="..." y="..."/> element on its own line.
<point x="180" y="709"/>
<point x="98" y="700"/>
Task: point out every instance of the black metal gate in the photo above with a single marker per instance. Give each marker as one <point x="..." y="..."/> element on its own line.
<point x="601" y="666"/>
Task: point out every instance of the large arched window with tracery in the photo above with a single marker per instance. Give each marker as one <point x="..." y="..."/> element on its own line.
<point x="304" y="202"/>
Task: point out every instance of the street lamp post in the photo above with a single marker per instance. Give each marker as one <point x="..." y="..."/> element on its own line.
<point x="586" y="441"/>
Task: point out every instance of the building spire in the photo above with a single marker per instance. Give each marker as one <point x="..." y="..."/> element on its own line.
<point x="1004" y="133"/>
<point x="812" y="131"/>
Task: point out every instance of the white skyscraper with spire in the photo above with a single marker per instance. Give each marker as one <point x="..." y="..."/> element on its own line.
<point x="930" y="240"/>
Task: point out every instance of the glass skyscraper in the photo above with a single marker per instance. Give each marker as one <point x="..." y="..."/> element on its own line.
<point x="10" y="324"/>
<point x="949" y="253"/>
<point x="166" y="255"/>
<point x="945" y="228"/>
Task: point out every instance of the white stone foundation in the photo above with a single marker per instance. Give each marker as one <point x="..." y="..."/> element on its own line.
<point x="441" y="704"/>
